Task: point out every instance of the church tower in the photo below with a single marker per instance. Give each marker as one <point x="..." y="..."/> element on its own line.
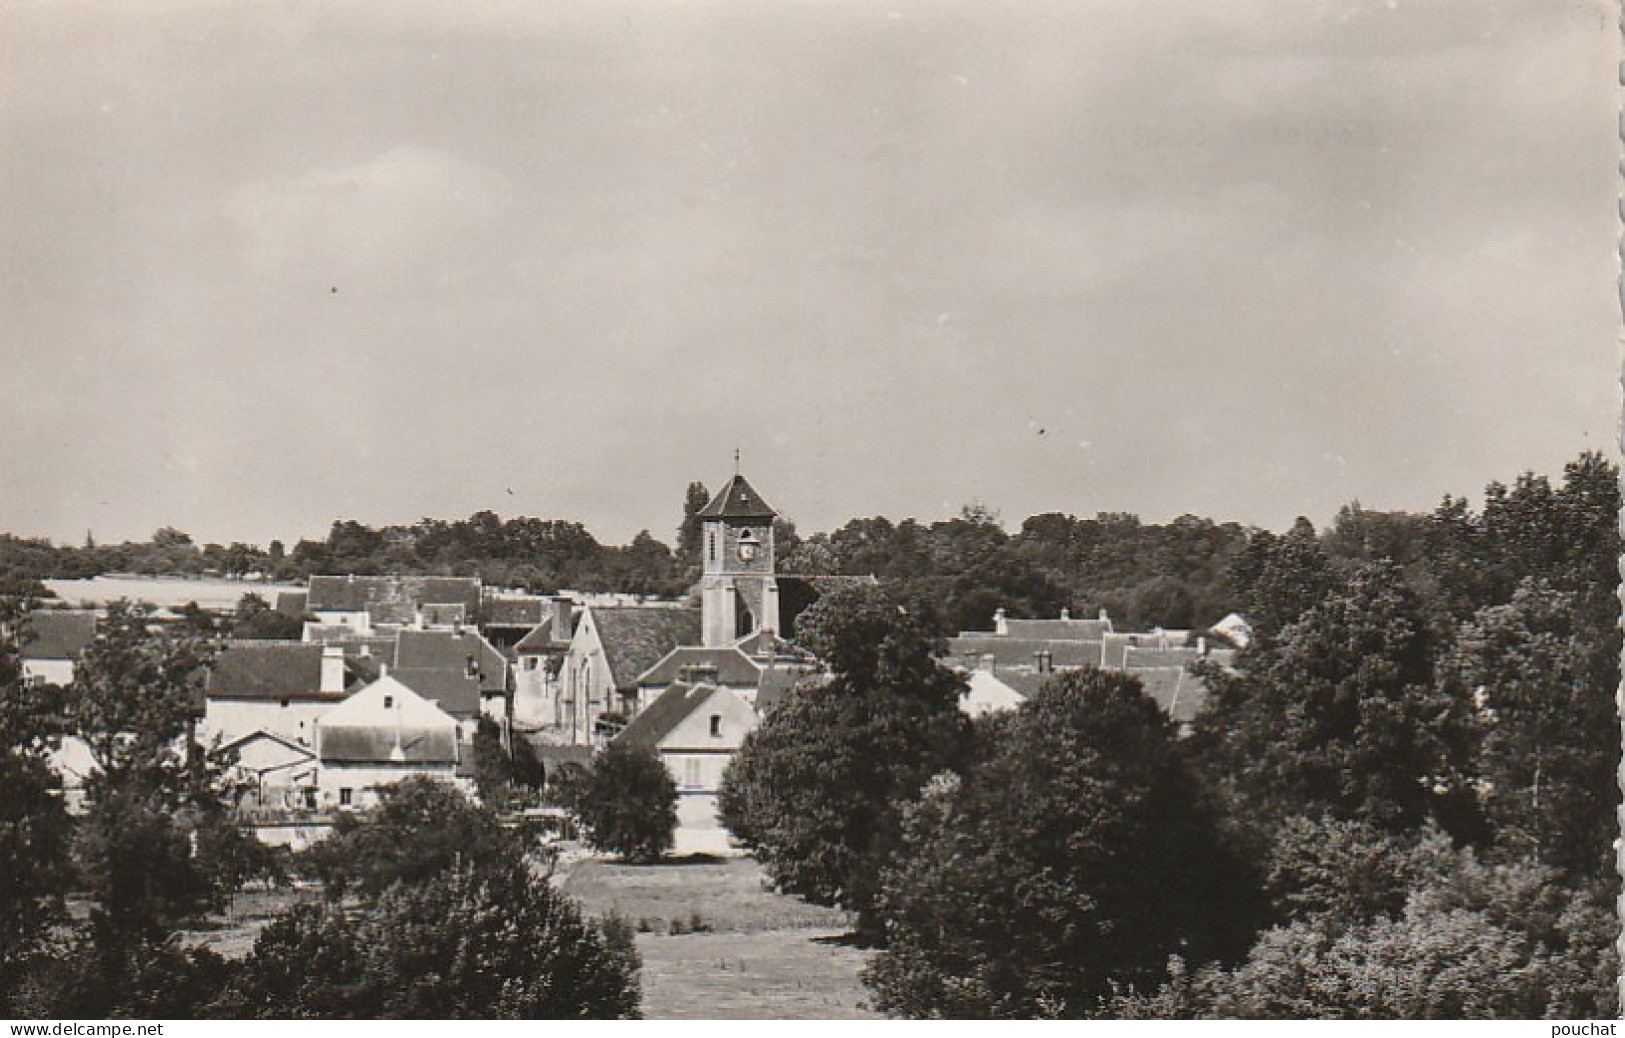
<point x="738" y="595"/>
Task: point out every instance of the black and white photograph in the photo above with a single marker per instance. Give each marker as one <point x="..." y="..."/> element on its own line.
<point x="858" y="510"/>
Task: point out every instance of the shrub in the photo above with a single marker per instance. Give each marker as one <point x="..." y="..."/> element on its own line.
<point x="463" y="944"/>
<point x="420" y="828"/>
<point x="629" y="804"/>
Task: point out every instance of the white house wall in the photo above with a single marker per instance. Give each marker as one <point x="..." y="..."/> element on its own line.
<point x="50" y="672"/>
<point x="363" y="780"/>
<point x="232" y="719"/>
<point x="693" y="732"/>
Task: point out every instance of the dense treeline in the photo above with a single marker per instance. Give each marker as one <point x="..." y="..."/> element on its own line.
<point x="1398" y="803"/>
<point x="1186" y="573"/>
<point x="1175" y="575"/>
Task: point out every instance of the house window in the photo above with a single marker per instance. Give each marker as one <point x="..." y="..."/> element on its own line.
<point x="691" y="771"/>
<point x="346" y="796"/>
<point x="716" y="726"/>
<point x="389" y="701"/>
<point x="711" y="545"/>
<point x="284" y="704"/>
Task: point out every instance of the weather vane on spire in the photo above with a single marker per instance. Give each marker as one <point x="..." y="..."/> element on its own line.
<point x="736" y="460"/>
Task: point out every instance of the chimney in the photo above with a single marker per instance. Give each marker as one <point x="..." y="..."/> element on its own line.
<point x="1066" y="614"/>
<point x="999" y="626"/>
<point x="989" y="662"/>
<point x="563" y="619"/>
<point x="1104" y="618"/>
<point x="1201" y="646"/>
<point x="332" y="679"/>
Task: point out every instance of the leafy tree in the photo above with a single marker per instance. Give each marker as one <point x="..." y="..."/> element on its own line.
<point x="420" y="828"/>
<point x="306" y="964"/>
<point x="689" y="532"/>
<point x="131" y="702"/>
<point x="461" y="944"/>
<point x="1483" y="942"/>
<point x="1339" y="714"/>
<point x="504" y="775"/>
<point x="1282" y="577"/>
<point x="1073" y="858"/>
<point x="816" y="791"/>
<point x="1348" y="872"/>
<point x="254" y="618"/>
<point x="197" y="619"/>
<point x="1567" y="536"/>
<point x="34" y="869"/>
<point x="1545" y="678"/>
<point x="85" y="976"/>
<point x="628" y="804"/>
<point x="493" y="771"/>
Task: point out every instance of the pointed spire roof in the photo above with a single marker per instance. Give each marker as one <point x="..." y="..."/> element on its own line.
<point x="738" y="500"/>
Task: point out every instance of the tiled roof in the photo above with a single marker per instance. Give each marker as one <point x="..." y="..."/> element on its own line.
<point x="348" y="594"/>
<point x="732" y="666"/>
<point x="517" y="610"/>
<point x="453" y="690"/>
<point x="767" y="649"/>
<point x="1118" y="645"/>
<point x="656" y="721"/>
<point x="551" y="754"/>
<point x="1073" y="630"/>
<point x="387" y="745"/>
<point x="1026" y="682"/>
<point x="636" y="637"/>
<point x="1180" y="693"/>
<point x="450" y="651"/>
<point x="540" y="639"/>
<point x="392" y="598"/>
<point x="1172" y="656"/>
<point x="291" y="603"/>
<point x="58" y="634"/>
<point x="444" y="614"/>
<point x="737" y="500"/>
<point x="267" y="670"/>
<point x="1008" y="651"/>
<point x="777" y="683"/>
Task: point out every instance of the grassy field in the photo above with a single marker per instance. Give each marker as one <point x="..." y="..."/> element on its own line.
<point x="232" y="932"/>
<point x="718" y="944"/>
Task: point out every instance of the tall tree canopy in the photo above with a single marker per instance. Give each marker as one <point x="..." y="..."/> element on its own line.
<point x="34" y="865"/>
<point x="816" y="790"/>
<point x="1075" y="858"/>
<point x="1339" y="713"/>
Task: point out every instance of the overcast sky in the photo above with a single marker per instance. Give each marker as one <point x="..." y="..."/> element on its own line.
<point x="265" y="265"/>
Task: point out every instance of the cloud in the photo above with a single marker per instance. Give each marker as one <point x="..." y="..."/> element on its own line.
<point x="382" y="218"/>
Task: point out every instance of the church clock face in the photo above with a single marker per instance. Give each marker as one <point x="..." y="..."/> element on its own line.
<point x="749" y="546"/>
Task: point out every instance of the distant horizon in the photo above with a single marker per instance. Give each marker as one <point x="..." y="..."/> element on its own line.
<point x="267" y="266"/>
<point x="1011" y="525"/>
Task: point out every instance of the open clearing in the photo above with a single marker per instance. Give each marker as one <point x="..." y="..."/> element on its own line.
<point x="716" y="943"/>
<point x="739" y="951"/>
